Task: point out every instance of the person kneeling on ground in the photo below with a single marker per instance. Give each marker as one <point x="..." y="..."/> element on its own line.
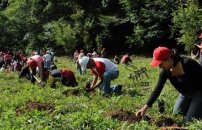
<point x="105" y="70"/>
<point x="126" y="59"/>
<point x="65" y="76"/>
<point x="185" y="75"/>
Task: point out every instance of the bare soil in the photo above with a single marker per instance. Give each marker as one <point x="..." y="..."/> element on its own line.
<point x="30" y="105"/>
<point x="131" y="117"/>
<point x="71" y="92"/>
<point x="123" y="115"/>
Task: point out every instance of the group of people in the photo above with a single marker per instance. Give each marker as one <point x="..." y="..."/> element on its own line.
<point x="47" y="70"/>
<point x="184" y="74"/>
<point x="12" y="62"/>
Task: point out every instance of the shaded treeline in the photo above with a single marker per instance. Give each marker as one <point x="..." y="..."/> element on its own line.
<point x="136" y="26"/>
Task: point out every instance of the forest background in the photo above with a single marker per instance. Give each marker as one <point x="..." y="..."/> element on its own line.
<point x="135" y="26"/>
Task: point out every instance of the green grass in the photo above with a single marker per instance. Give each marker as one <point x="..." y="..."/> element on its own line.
<point x="84" y="111"/>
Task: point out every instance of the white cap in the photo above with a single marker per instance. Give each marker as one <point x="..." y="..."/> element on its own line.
<point x="83" y="61"/>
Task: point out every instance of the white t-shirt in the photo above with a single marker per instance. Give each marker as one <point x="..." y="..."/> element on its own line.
<point x="108" y="64"/>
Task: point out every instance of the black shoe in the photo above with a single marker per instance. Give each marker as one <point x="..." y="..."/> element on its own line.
<point x="120" y="87"/>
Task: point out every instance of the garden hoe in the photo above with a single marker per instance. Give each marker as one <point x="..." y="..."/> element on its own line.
<point x="39" y="81"/>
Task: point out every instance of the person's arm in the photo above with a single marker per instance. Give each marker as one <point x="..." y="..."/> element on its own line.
<point x="200" y="47"/>
<point x="95" y="78"/>
<point x="30" y="70"/>
<point x="96" y="85"/>
<point x="142" y="111"/>
<point x="155" y="94"/>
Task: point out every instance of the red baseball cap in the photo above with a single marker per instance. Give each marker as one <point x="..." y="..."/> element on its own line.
<point x="200" y="36"/>
<point x="160" y="54"/>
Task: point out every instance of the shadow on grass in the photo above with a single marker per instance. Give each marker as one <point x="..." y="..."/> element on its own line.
<point x="7" y="77"/>
<point x="133" y="93"/>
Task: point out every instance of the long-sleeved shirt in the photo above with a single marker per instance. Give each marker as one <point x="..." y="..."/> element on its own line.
<point x="187" y="84"/>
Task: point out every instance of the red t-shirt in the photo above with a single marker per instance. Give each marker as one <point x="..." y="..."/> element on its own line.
<point x="68" y="74"/>
<point x="100" y="67"/>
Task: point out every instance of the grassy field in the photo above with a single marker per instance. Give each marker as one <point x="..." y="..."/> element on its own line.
<point x="24" y="106"/>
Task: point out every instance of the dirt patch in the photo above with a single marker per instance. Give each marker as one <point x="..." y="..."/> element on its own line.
<point x="164" y="121"/>
<point x="161" y="122"/>
<point x="167" y="123"/>
<point x="30" y="105"/>
<point x="123" y="115"/>
<point x="172" y="128"/>
<point x="71" y="92"/>
<point x="88" y="89"/>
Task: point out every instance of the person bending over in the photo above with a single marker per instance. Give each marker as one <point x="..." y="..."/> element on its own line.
<point x="185" y="75"/>
<point x="105" y="70"/>
<point x="34" y="62"/>
<point x="65" y="76"/>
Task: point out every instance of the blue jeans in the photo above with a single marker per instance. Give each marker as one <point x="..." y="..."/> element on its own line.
<point x="189" y="106"/>
<point x="108" y="76"/>
<point x="47" y="64"/>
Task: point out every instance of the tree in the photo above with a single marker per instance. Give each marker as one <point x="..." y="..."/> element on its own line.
<point x="187" y="24"/>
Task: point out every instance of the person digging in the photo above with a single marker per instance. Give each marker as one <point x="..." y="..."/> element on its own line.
<point x="33" y="63"/>
<point x="65" y="76"/>
<point x="184" y="74"/>
<point x="103" y="69"/>
<point x="25" y="73"/>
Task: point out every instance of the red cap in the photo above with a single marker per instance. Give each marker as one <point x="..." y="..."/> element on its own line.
<point x="200" y="36"/>
<point x="160" y="54"/>
<point x="32" y="63"/>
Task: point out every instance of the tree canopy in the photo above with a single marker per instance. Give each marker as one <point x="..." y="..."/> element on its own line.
<point x="118" y="25"/>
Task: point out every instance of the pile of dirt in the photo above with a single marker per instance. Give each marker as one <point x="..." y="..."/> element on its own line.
<point x="30" y="105"/>
<point x="164" y="121"/>
<point x="167" y="123"/>
<point x="172" y="128"/>
<point x="123" y="115"/>
<point x="88" y="89"/>
<point x="71" y="92"/>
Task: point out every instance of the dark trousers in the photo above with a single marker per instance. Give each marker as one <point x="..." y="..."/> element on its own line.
<point x="189" y="106"/>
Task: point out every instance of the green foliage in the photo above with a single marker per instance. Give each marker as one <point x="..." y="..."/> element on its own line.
<point x="63" y="34"/>
<point x="152" y="21"/>
<point x="187" y="22"/>
<point x="85" y="111"/>
<point x="194" y="126"/>
<point x="89" y="24"/>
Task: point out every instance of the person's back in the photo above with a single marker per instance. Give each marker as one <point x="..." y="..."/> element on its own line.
<point x="107" y="63"/>
<point x="126" y="59"/>
<point x="68" y="77"/>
